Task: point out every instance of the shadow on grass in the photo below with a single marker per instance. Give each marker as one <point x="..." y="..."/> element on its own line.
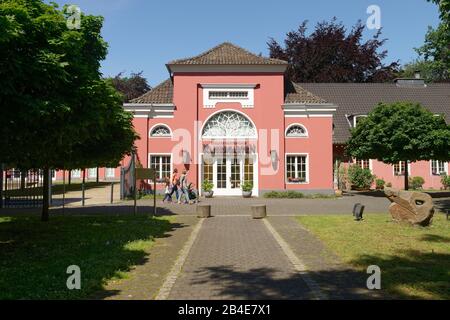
<point x="413" y="274"/>
<point x="34" y="256"/>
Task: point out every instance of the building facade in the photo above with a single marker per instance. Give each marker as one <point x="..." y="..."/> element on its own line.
<point x="231" y="117"/>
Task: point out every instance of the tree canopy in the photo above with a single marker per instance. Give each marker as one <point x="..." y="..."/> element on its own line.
<point x="330" y="54"/>
<point x="131" y="87"/>
<point x="401" y="131"/>
<point x="55" y="109"/>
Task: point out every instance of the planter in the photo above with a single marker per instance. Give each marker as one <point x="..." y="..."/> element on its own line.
<point x="259" y="211"/>
<point x="208" y="194"/>
<point x="247" y="194"/>
<point x="203" y="211"/>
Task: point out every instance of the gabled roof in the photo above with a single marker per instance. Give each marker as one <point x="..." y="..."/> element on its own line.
<point x="162" y="93"/>
<point x="360" y="98"/>
<point x="227" y="54"/>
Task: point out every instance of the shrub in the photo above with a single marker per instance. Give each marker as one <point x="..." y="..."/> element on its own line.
<point x="360" y="178"/>
<point x="247" y="186"/>
<point x="380" y="183"/>
<point x="207" y="186"/>
<point x="284" y="195"/>
<point x="445" y="180"/>
<point x="416" y="182"/>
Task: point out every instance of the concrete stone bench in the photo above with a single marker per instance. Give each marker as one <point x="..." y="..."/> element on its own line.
<point x="259" y="211"/>
<point x="203" y="210"/>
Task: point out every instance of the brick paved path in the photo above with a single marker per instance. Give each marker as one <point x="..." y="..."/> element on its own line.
<point x="238" y="258"/>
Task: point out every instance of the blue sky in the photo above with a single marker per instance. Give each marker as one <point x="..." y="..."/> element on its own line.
<point x="144" y="35"/>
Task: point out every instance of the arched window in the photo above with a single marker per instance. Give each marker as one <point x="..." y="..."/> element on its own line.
<point x="229" y="124"/>
<point x="160" y="131"/>
<point x="296" y="130"/>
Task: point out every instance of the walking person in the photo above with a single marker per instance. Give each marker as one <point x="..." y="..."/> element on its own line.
<point x="174" y="183"/>
<point x="167" y="191"/>
<point x="184" y="184"/>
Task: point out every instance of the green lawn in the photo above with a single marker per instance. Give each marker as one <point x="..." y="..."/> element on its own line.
<point x="34" y="256"/>
<point x="414" y="261"/>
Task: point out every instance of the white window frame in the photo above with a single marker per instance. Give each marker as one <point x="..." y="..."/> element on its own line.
<point x="160" y="137"/>
<point x="355" y="118"/>
<point x="355" y="161"/>
<point x="254" y="137"/>
<point x="92" y="176"/>
<point x="296" y="137"/>
<point x="108" y="171"/>
<point x="160" y="155"/>
<point x="246" y="102"/>
<point x="307" y="168"/>
<point x="438" y="174"/>
<point x="76" y="173"/>
<point x="401" y="175"/>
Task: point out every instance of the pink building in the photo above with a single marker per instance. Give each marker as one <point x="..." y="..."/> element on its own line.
<point x="230" y="116"/>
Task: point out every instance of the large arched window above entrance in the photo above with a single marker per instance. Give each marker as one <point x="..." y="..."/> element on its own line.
<point x="229" y="124"/>
<point x="160" y="131"/>
<point x="296" y="131"/>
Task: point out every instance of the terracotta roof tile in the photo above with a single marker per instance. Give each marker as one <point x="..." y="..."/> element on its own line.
<point x="227" y="54"/>
<point x="162" y="93"/>
<point x="294" y="93"/>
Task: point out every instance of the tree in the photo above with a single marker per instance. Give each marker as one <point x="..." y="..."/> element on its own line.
<point x="436" y="52"/>
<point x="329" y="54"/>
<point x="131" y="87"/>
<point x="425" y="68"/>
<point x="444" y="9"/>
<point x="53" y="102"/>
<point x="401" y="131"/>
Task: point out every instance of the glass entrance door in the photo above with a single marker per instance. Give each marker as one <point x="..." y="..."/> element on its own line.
<point x="228" y="173"/>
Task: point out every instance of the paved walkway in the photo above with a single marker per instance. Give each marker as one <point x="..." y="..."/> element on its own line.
<point x="238" y="258"/>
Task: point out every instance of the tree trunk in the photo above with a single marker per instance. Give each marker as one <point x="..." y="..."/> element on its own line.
<point x="97" y="178"/>
<point x="406" y="176"/>
<point x="84" y="176"/>
<point x="22" y="179"/>
<point x="70" y="177"/>
<point x="45" y="195"/>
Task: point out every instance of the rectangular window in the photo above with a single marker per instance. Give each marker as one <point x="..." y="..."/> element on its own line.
<point x="296" y="169"/>
<point x="110" y="172"/>
<point x="92" y="172"/>
<point x="228" y="94"/>
<point x="76" y="173"/>
<point x="399" y="168"/>
<point x="364" y="164"/>
<point x="162" y="165"/>
<point x="438" y="167"/>
<point x="357" y="119"/>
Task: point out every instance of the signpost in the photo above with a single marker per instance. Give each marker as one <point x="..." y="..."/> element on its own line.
<point x="144" y="174"/>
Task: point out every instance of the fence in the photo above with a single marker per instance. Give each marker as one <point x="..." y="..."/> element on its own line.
<point x="21" y="189"/>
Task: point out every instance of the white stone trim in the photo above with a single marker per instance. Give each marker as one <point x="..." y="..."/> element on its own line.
<point x="248" y="102"/>
<point x="308" y="110"/>
<point x="150" y="110"/>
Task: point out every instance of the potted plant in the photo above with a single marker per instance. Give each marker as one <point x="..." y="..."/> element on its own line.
<point x="380" y="183"/>
<point x="361" y="179"/>
<point x="247" y="188"/>
<point x="207" y="188"/>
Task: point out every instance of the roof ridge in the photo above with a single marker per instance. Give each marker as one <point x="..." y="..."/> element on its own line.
<point x="224" y="45"/>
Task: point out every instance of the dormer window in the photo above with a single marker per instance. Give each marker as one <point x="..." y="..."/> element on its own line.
<point x="358" y="118"/>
